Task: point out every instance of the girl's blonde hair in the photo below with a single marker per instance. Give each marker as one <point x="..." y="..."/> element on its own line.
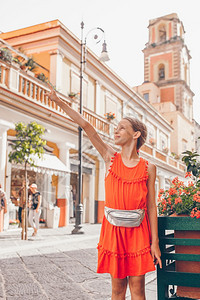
<point x="137" y="125"/>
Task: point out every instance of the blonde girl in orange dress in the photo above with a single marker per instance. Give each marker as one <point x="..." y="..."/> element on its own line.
<point x="126" y="253"/>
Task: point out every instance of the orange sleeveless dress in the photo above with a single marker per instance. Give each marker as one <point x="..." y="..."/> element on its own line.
<point x="125" y="251"/>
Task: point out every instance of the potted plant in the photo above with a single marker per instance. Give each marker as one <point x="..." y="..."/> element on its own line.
<point x="182" y="201"/>
<point x="73" y="95"/>
<point x="16" y="62"/>
<point x="175" y="155"/>
<point x="29" y="66"/>
<point x="42" y="223"/>
<point x="110" y="116"/>
<point x="13" y="224"/>
<point x="152" y="141"/>
<point x="5" y="54"/>
<point x="180" y="198"/>
<point x="41" y="77"/>
<point x="165" y="150"/>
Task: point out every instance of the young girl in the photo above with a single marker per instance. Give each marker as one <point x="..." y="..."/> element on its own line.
<point x="127" y="253"/>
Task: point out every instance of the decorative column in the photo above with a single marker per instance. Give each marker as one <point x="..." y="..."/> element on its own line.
<point x="4" y="126"/>
<point x="56" y="61"/>
<point x="47" y="189"/>
<point x="125" y="110"/>
<point x="92" y="197"/>
<point x="64" y="184"/>
<point x="157" y="138"/>
<point x="168" y="143"/>
<point x="162" y="181"/>
<point x="98" y="98"/>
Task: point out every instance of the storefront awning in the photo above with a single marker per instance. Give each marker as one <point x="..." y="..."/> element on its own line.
<point x="49" y="164"/>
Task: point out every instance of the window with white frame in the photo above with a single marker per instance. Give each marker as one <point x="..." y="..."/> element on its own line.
<point x="184" y="145"/>
<point x="112" y="106"/>
<point x="75" y="85"/>
<point x="163" y="141"/>
<point x="151" y="134"/>
<point x="146" y="97"/>
<point x="133" y="114"/>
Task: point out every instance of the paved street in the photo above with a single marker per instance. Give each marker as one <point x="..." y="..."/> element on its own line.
<point x="55" y="265"/>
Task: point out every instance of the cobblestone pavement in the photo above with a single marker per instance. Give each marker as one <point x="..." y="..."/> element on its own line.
<point x="55" y="265"/>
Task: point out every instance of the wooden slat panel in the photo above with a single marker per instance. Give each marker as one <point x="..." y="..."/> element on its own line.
<point x="179" y="223"/>
<point x="181" y="256"/>
<point x="178" y="241"/>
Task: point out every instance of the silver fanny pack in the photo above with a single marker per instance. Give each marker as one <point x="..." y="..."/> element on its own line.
<point x="124" y="218"/>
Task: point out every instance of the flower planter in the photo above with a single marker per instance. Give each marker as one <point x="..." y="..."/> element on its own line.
<point x="42" y="225"/>
<point x="13" y="226"/>
<point x="180" y="257"/>
<point x="189" y="266"/>
<point x="110" y="116"/>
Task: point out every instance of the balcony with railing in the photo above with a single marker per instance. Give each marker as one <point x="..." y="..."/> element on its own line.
<point x="163" y="156"/>
<point x="33" y="89"/>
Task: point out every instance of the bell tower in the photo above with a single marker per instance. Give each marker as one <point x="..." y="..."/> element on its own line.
<point x="167" y="62"/>
<point x="167" y="79"/>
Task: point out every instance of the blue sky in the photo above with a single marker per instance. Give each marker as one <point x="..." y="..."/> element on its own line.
<point x="125" y="24"/>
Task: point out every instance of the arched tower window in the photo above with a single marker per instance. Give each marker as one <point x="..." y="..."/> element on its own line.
<point x="162" y="33"/>
<point x="161" y="72"/>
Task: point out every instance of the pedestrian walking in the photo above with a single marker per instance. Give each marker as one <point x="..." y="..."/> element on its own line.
<point x="128" y="246"/>
<point x="34" y="208"/>
<point x="3" y="207"/>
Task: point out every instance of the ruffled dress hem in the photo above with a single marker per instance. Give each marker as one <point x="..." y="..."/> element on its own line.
<point x="126" y="264"/>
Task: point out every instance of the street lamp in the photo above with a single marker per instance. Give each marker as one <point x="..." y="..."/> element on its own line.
<point x="104" y="57"/>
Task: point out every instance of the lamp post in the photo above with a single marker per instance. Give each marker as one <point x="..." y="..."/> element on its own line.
<point x="104" y="57"/>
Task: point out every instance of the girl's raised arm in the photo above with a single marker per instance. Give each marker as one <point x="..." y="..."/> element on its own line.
<point x="104" y="150"/>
